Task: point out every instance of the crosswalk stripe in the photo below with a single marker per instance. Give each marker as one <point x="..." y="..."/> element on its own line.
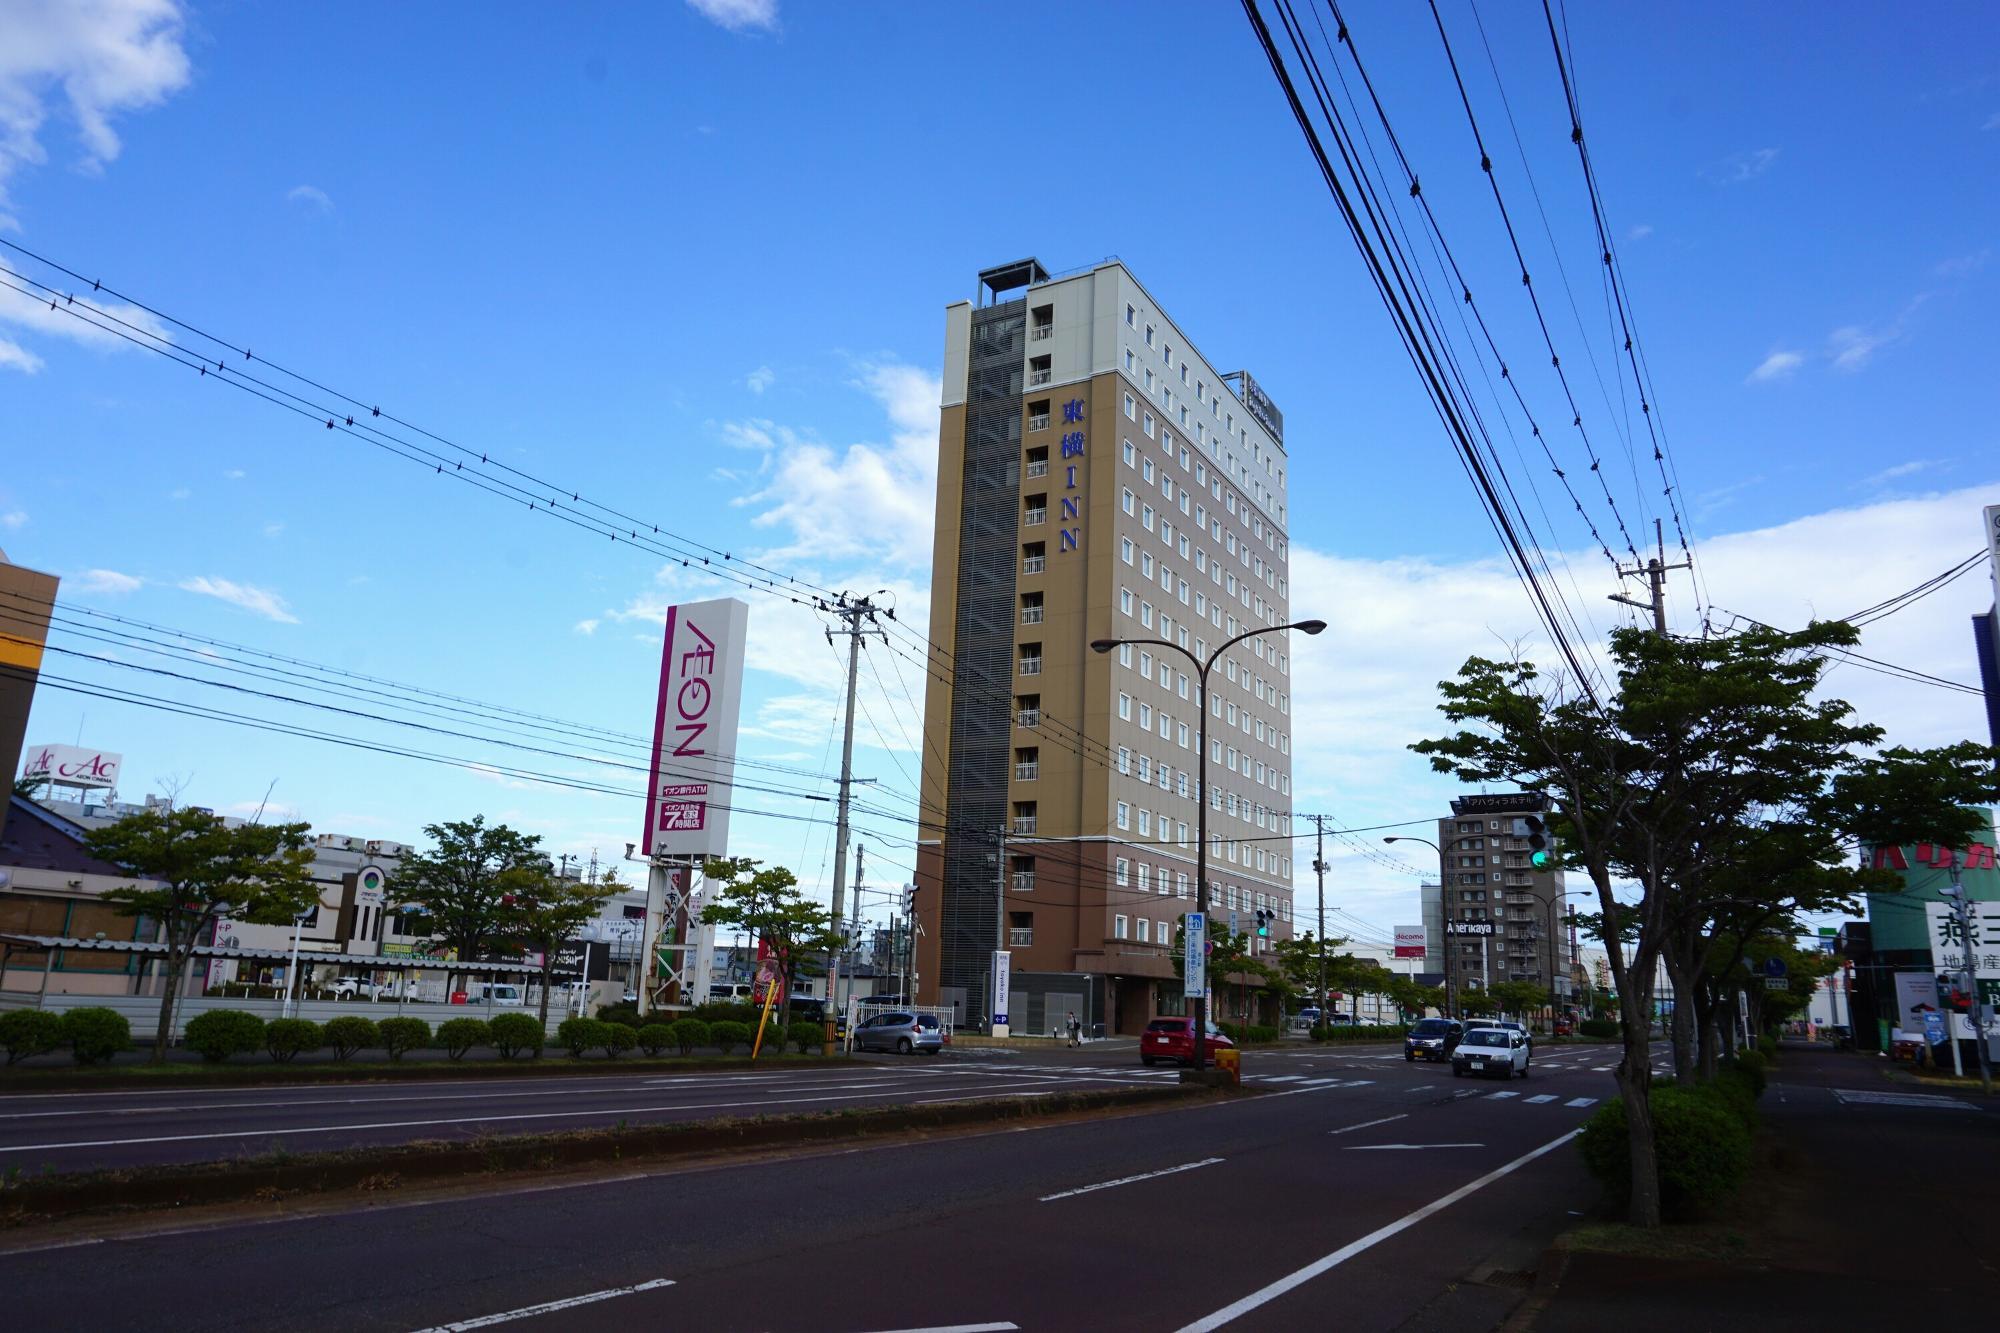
<point x="1603" y="1069"/>
<point x="1500" y="1095"/>
<point x="1544" y="1097"/>
<point x="1581" y="1101"/>
<point x="1279" y="1078"/>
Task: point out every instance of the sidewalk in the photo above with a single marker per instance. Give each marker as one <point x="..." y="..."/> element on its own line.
<point x="1854" y="1216"/>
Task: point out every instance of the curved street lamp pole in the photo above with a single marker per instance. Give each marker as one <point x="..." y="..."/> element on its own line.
<point x="1201" y="785"/>
<point x="1444" y="877"/>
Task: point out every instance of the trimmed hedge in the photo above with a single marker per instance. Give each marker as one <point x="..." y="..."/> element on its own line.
<point x="512" y="1034"/>
<point x="625" y="1012"/>
<point x="1606" y="1029"/>
<point x="689" y="1033"/>
<point x="286" y="1037"/>
<point x="806" y="1036"/>
<point x="350" y="1033"/>
<point x="459" y="1035"/>
<point x="95" y="1035"/>
<point x="655" y="1038"/>
<point x="727" y="1035"/>
<point x="578" y="1034"/>
<point x="402" y="1035"/>
<point x="29" y="1032"/>
<point x="221" y="1033"/>
<point x="727" y="1011"/>
<point x="1701" y="1141"/>
<point x="1358" y="1032"/>
<point x="615" y="1039"/>
<point x="1767" y="1046"/>
<point x="1247" y="1035"/>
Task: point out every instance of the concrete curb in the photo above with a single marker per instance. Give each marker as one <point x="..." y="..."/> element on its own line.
<point x="132" y="1078"/>
<point x="376" y="1170"/>
<point x="1548" y="1280"/>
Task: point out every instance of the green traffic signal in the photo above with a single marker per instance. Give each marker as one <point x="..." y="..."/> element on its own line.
<point x="1540" y="860"/>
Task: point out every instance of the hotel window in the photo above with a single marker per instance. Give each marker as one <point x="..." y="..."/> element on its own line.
<point x="1125" y="655"/>
<point x="1125" y="600"/>
<point x="1118" y="927"/>
<point x="1145" y="717"/>
<point x="1146" y="615"/>
<point x="1144" y="924"/>
<point x="1123" y="871"/>
<point x="1146" y="517"/>
<point x="1149" y="381"/>
<point x="1131" y="409"/>
<point x="1125" y="549"/>
<point x="1149" y="335"/>
<point x="1124" y="760"/>
<point x="1145" y="767"/>
<point x="1130" y="453"/>
<point x="1130" y="360"/>
<point x="1130" y="315"/>
<point x="1125" y="500"/>
<point x="1145" y="871"/>
<point x="1147" y="424"/>
<point x="1125" y="707"/>
<point x="1145" y="564"/>
<point x="1146" y="469"/>
<point x="1124" y="815"/>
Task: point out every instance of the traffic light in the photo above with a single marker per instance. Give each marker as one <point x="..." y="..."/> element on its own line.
<point x="1538" y="842"/>
<point x="1264" y="922"/>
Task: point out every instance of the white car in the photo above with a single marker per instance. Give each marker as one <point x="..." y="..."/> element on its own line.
<point x="348" y="988"/>
<point x="1493" y="1052"/>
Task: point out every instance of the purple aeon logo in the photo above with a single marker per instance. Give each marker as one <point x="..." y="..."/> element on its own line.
<point x="694" y="729"/>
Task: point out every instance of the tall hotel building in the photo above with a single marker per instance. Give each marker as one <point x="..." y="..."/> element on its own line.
<point x="1098" y="478"/>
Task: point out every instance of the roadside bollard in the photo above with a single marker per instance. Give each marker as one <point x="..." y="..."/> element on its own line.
<point x="1229" y="1061"/>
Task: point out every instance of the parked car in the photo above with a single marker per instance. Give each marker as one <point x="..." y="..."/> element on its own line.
<point x="1432" y="1038"/>
<point x="900" y="1031"/>
<point x="1173" y="1039"/>
<point x="1493" y="1051"/>
<point x="1507" y="1024"/>
<point x="501" y="993"/>
<point x="1307" y="1017"/>
<point x="348" y="988"/>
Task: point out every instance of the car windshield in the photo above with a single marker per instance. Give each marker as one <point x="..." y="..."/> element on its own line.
<point x="1167" y="1025"/>
<point x="1486" y="1037"/>
<point x="1431" y="1027"/>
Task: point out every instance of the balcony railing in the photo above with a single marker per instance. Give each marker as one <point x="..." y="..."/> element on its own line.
<point x="1040" y="421"/>
<point x="1041" y="331"/>
<point x="1024" y="824"/>
<point x="1027" y="772"/>
<point x="1036" y="377"/>
<point x="1031" y="666"/>
<point x="1031" y="615"/>
<point x="1039" y="468"/>
<point x="1035" y="517"/>
<point x="1020" y="939"/>
<point x="1034" y="564"/>
<point x="1030" y="717"/>
<point x="1024" y="881"/>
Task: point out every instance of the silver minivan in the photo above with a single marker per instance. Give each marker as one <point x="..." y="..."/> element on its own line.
<point x="900" y="1031"/>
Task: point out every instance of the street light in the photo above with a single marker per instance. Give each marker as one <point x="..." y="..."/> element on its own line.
<point x="1443" y="874"/>
<point x="1201" y="786"/>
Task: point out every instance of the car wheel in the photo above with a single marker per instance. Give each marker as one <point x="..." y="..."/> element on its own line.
<point x="1456" y="1072"/>
<point x="1409" y="1057"/>
<point x="1146" y="1060"/>
<point x="902" y="1045"/>
<point x="1524" y="1067"/>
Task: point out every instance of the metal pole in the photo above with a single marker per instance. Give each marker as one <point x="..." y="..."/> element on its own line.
<point x="292" y="972"/>
<point x="1201" y="859"/>
<point x="997" y="1002"/>
<point x="583" y="981"/>
<point x="851" y="612"/>
<point x="1978" y="1014"/>
<point x="1319" y="869"/>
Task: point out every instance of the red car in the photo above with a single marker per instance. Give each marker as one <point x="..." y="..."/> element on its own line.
<point x="1173" y="1039"/>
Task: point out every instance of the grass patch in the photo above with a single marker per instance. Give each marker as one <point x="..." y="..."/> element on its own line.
<point x="1703" y="1241"/>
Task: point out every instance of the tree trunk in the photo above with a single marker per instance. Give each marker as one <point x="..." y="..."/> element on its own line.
<point x="1704" y="1018"/>
<point x="170" y="989"/>
<point x="548" y="968"/>
<point x="1635" y="1081"/>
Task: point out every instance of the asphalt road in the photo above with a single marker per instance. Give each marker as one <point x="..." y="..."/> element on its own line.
<point x="1362" y="1193"/>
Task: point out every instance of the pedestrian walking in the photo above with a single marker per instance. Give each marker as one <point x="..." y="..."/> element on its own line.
<point x="1075" y="1030"/>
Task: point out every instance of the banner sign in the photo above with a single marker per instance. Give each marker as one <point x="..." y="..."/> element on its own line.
<point x="73" y="766"/>
<point x="1948" y="937"/>
<point x="1194" y="957"/>
<point x="1409" y="941"/>
<point x="694" y="729"/>
<point x="1003" y="977"/>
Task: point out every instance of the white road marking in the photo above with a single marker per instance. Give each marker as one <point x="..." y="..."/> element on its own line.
<point x="1410" y="1147"/>
<point x="549" y="1307"/>
<point x="1581" y="1101"/>
<point x="1544" y="1097"/>
<point x="1931" y="1100"/>
<point x="1602" y="1069"/>
<point x="1265" y="1295"/>
<point x="962" y="1328"/>
<point x="1370" y="1124"/>
<point x="1127" y="1180"/>
<point x="1498" y="1096"/>
<point x="1277" y="1078"/>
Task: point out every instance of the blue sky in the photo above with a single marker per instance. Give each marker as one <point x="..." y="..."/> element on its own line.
<point x="693" y="259"/>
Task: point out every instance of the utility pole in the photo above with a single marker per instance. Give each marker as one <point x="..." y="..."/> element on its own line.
<point x="1654" y="571"/>
<point x="1963" y="904"/>
<point x="998" y="1005"/>
<point x="858" y="618"/>
<point x="1319" y="869"/>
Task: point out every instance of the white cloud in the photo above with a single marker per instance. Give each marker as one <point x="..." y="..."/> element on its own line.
<point x="1639" y="232"/>
<point x="1740" y="167"/>
<point x="107" y="581"/>
<point x="16" y="357"/>
<point x="1852" y="347"/>
<point x="1962" y="266"/>
<point x="1901" y="470"/>
<point x="102" y="57"/>
<point x="870" y="501"/>
<point x="179" y="493"/>
<point x="235" y="474"/>
<point x="30" y="312"/>
<point x="273" y="528"/>
<point x="588" y="626"/>
<point x="311" y="196"/>
<point x="14" y="520"/>
<point x="1776" y="366"/>
<point x="760" y="434"/>
<point x="259" y="601"/>
<point x="760" y="379"/>
<point x="738" y="15"/>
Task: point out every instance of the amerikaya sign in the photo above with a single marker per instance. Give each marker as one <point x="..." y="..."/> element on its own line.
<point x="694" y="729"/>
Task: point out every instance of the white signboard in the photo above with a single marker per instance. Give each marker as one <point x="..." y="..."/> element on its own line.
<point x="1194" y="957"/>
<point x="73" y="766"/>
<point x="1409" y="941"/>
<point x="368" y="886"/>
<point x="1003" y="971"/>
<point x="1948" y="945"/>
<point x="694" y="729"/>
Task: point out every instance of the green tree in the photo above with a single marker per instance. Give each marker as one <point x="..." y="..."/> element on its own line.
<point x="30" y="784"/>
<point x="200" y="870"/>
<point x="456" y="891"/>
<point x="1230" y="962"/>
<point x="1297" y="960"/>
<point x="767" y="903"/>
<point x="1520" y="997"/>
<point x="542" y="912"/>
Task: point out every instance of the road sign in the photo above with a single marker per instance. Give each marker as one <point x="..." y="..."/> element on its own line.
<point x="1232" y="923"/>
<point x="1194" y="960"/>
<point x="1774" y="967"/>
<point x="1934" y="1028"/>
<point x="1776" y="983"/>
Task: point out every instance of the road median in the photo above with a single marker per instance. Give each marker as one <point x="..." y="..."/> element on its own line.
<point x="117" y="1078"/>
<point x="27" y="1201"/>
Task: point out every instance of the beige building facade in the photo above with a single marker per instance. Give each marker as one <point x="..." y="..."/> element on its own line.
<point x="1098" y="478"/>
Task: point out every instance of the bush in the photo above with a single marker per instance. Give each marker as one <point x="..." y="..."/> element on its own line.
<point x="1767" y="1046"/>
<point x="726" y="1011"/>
<point x="578" y="1034"/>
<point x="807" y="1036"/>
<point x="29" y="1032"/>
<point x="402" y="1035"/>
<point x="514" y="1033"/>
<point x="1605" y="1029"/>
<point x="622" y="1012"/>
<point x="656" y="1037"/>
<point x="286" y="1037"/>
<point x="689" y="1033"/>
<point x="726" y="1036"/>
<point x="350" y="1033"/>
<point x="615" y="1039"/>
<point x="221" y="1033"/>
<point x="1703" y="1150"/>
<point x="95" y="1035"/>
<point x="459" y="1035"/>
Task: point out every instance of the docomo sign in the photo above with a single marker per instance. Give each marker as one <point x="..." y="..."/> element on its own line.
<point x="1409" y="941"/>
<point x="694" y="729"/>
<point x="73" y="766"/>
